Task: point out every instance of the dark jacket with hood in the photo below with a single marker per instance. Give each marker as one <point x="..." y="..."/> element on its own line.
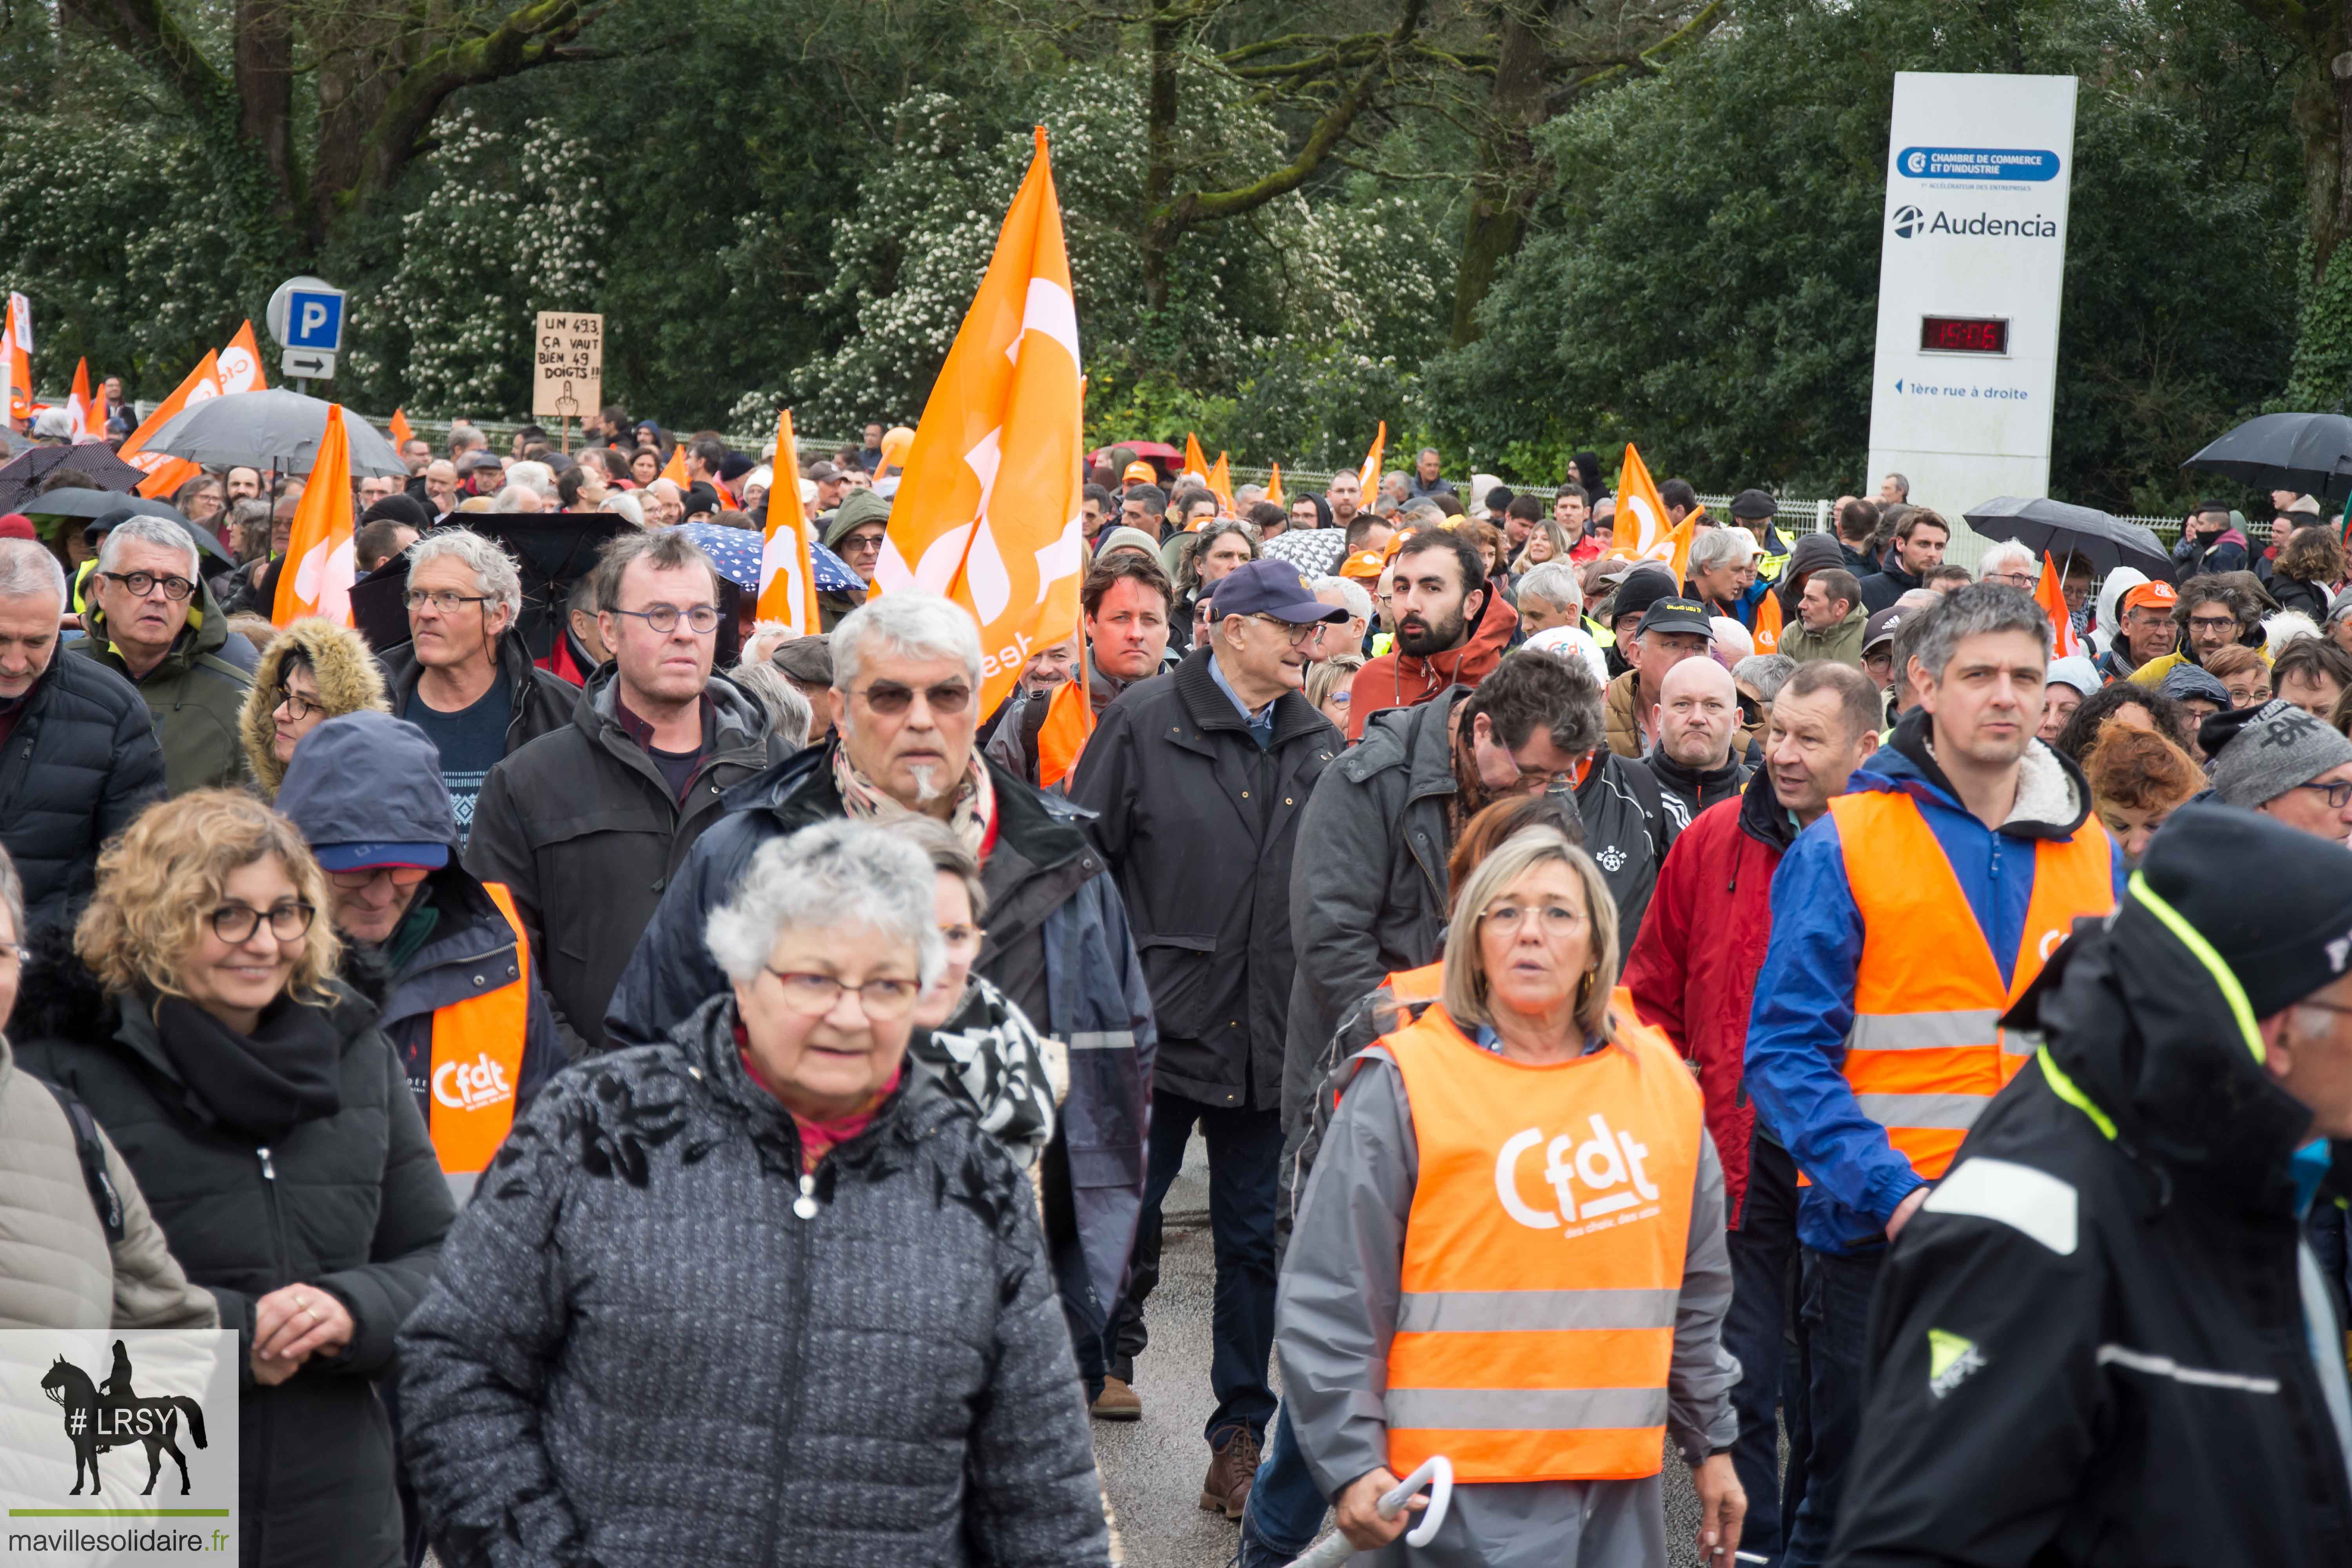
<point x="1057" y="945"/>
<point x="1693" y="970"/>
<point x="374" y="779"/>
<point x="81" y="763"/>
<point x="640" y="1350"/>
<point x="1399" y="680"/>
<point x="1881" y="588"/>
<point x="349" y="1200"/>
<point x="2099" y="1342"/>
<point x="197" y="694"/>
<point x="542" y="700"/>
<point x="1199" y="824"/>
<point x="1630" y="821"/>
<point x="583" y="828"/>
<point x="1804" y="998"/>
<point x="2196" y="557"/>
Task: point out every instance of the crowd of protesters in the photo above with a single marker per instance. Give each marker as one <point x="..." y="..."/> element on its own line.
<point x="634" y="1102"/>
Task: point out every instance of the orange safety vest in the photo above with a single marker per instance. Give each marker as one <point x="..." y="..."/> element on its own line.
<point x="1543" y="1257"/>
<point x="1926" y="1051"/>
<point x="478" y="1062"/>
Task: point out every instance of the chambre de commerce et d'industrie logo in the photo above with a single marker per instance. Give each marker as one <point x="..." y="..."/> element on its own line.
<point x="117" y="1447"/>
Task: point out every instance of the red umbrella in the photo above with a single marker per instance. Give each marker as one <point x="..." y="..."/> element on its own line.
<point x="1152" y="451"/>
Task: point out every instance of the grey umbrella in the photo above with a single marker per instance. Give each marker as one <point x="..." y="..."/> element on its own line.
<point x="261" y="428"/>
<point x="89" y="505"/>
<point x="2058" y="530"/>
<point x="22" y="477"/>
<point x="2310" y="453"/>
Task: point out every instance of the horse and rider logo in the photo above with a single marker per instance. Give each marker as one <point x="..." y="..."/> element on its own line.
<point x="112" y="1416"/>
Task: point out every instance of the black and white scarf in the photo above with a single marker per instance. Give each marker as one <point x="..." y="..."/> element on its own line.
<point x="991" y="1058"/>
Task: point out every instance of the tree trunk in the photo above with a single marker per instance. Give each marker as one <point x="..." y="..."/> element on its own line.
<point x="1160" y="229"/>
<point x="2320" y="379"/>
<point x="1505" y="188"/>
<point x="264" y="73"/>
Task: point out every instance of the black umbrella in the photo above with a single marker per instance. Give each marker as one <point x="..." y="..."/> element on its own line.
<point x="91" y="505"/>
<point x="2310" y="453"/>
<point x="2054" y="529"/>
<point x="21" y="477"/>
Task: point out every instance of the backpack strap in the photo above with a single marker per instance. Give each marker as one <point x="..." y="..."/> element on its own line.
<point x="92" y="1151"/>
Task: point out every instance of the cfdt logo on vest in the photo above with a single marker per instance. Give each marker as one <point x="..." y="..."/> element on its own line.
<point x="1596" y="1179"/>
<point x="471" y="1086"/>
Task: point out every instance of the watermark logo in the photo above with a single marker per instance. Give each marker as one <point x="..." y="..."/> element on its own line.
<point x="113" y="1415"/>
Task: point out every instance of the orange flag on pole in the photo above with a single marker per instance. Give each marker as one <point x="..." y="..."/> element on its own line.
<point x="164" y="473"/>
<point x="1220" y="485"/>
<point x="1069" y="720"/>
<point x="16" y="359"/>
<point x="88" y="421"/>
<point x="988" y="509"/>
<point x="1273" y="489"/>
<point x="240" y="364"/>
<point x="2051" y="594"/>
<point x="1767" y="621"/>
<point x="1369" y="477"/>
<point x="320" y="570"/>
<point x="1195" y="461"/>
<point x="787" y="573"/>
<point x="402" y="432"/>
<point x="1642" y="530"/>
<point x="675" y="469"/>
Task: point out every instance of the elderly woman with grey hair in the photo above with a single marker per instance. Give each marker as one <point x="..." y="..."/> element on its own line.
<point x="758" y="1293"/>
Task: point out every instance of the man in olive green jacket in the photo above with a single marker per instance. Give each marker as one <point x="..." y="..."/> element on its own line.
<point x="151" y="620"/>
<point x="1831" y="620"/>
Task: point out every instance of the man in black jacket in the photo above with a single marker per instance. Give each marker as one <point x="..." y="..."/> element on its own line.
<point x="79" y="757"/>
<point x="1919" y="540"/>
<point x="1197" y="780"/>
<point x="2101" y="1342"/>
<point x="587" y="824"/>
<point x="1695" y="719"/>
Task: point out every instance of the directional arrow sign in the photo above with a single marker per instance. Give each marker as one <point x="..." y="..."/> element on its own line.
<point x="308" y="363"/>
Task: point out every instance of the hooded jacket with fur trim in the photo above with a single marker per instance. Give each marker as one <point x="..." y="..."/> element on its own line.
<point x="346" y="677"/>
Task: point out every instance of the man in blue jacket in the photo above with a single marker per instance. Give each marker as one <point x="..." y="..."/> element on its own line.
<point x="1904" y="923"/>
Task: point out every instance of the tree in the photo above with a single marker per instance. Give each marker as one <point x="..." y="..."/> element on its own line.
<point x="2320" y="32"/>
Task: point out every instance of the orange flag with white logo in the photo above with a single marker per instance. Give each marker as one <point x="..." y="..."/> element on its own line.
<point x="787" y="573"/>
<point x="402" y="433"/>
<point x="89" y="419"/>
<point x="1369" y="477"/>
<point x="319" y="570"/>
<point x="16" y="358"/>
<point x="2051" y="594"/>
<point x="240" y="364"/>
<point x="1273" y="489"/>
<point x="1642" y="530"/>
<point x="988" y="509"/>
<point x="165" y="473"/>
<point x="1767" y="621"/>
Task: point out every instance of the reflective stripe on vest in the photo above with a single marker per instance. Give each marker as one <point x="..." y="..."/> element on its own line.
<point x="1926" y="1051"/>
<point x="1543" y="1255"/>
<point x="477" y="1061"/>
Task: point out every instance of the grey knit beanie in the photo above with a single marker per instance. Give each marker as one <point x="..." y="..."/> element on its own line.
<point x="2274" y="749"/>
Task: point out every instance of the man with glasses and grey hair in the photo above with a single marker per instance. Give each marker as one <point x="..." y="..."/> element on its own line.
<point x="461" y="677"/>
<point x="89" y="762"/>
<point x="904" y="703"/>
<point x="585" y="824"/>
<point x="153" y="621"/>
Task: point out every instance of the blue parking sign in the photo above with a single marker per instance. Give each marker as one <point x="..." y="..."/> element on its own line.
<point x="314" y="321"/>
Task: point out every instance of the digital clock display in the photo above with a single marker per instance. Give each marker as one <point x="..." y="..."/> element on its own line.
<point x="1964" y="334"/>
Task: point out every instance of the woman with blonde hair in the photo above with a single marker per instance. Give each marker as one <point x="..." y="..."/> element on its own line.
<point x="274" y="1132"/>
<point x="1328" y="682"/>
<point x="1547" y="541"/>
<point x="312" y="671"/>
<point x="1511" y="1252"/>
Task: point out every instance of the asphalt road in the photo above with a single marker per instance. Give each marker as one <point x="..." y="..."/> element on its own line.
<point x="1152" y="1468"/>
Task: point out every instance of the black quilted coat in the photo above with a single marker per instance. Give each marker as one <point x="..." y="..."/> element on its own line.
<point x="81" y="762"/>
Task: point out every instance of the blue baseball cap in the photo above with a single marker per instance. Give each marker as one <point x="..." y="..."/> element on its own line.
<point x="367" y="857"/>
<point x="1271" y="587"/>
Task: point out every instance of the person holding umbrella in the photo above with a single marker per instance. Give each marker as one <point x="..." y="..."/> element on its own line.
<point x="2209" y="544"/>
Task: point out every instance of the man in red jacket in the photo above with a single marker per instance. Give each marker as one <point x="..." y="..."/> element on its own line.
<point x="1451" y="628"/>
<point x="1693" y="974"/>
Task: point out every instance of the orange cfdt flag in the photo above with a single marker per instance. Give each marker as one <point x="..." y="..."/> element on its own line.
<point x="1069" y="720"/>
<point x="402" y="433"/>
<point x="165" y="473"/>
<point x="16" y="357"/>
<point x="675" y="469"/>
<point x="317" y="577"/>
<point x="1195" y="460"/>
<point x="1274" y="488"/>
<point x="1677" y="547"/>
<point x="1220" y="485"/>
<point x="2051" y="594"/>
<point x="988" y="509"/>
<point x="240" y="364"/>
<point x="85" y="422"/>
<point x="1367" y="478"/>
<point x="1767" y="621"/>
<point x="787" y="572"/>
<point x="1642" y="530"/>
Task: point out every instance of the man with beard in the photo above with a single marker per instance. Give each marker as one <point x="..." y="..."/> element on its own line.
<point x="1451" y="629"/>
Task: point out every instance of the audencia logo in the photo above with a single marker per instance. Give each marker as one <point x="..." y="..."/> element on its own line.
<point x="114" y="1416"/>
<point x="1910" y="221"/>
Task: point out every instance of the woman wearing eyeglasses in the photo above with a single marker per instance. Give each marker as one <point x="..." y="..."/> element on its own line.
<point x="759" y="1293"/>
<point x="315" y="670"/>
<point x="273" y="1135"/>
<point x="1510" y="1252"/>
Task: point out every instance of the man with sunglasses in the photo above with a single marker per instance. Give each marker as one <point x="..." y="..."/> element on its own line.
<point x="2280" y="760"/>
<point x="588" y="823"/>
<point x="906" y="674"/>
<point x="1196" y="780"/>
<point x="151" y="620"/>
<point x="461" y="999"/>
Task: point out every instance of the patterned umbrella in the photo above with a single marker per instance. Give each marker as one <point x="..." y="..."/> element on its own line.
<point x="734" y="550"/>
<point x="18" y="479"/>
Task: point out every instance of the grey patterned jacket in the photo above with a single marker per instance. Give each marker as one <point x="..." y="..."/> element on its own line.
<point x="637" y="1352"/>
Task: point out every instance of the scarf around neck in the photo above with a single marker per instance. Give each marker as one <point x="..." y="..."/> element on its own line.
<point x="262" y="1085"/>
<point x="973" y="821"/>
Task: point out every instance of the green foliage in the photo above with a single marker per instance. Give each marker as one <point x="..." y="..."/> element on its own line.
<point x="2321" y="382"/>
<point x="1705" y="280"/>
